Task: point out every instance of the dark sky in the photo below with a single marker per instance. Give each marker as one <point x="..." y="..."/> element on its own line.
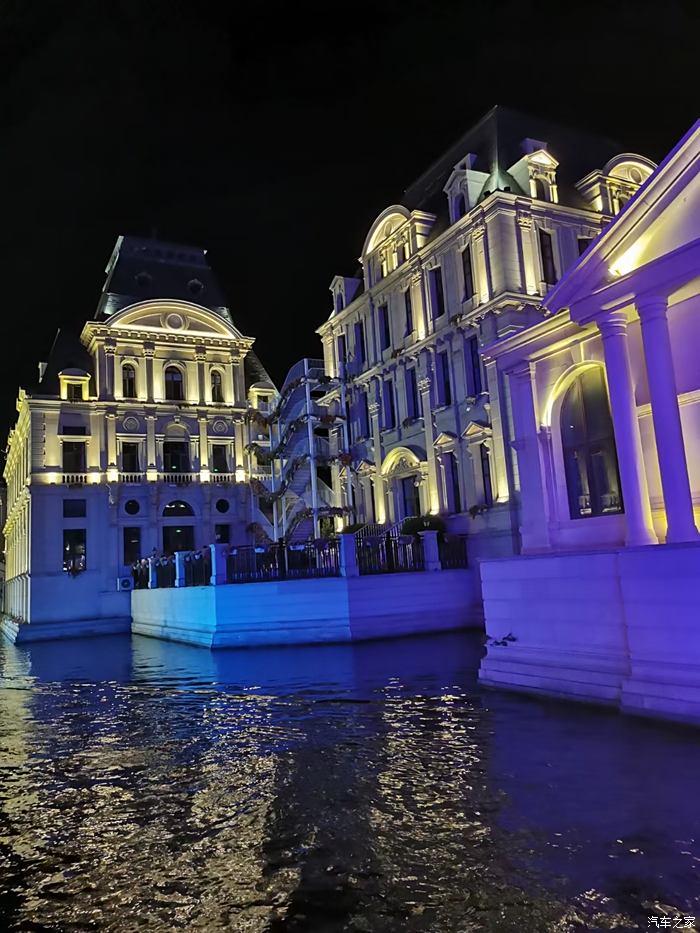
<point x="274" y="135"/>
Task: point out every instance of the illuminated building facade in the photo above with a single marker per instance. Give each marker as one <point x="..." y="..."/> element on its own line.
<point x="135" y="440"/>
<point x="464" y="259"/>
<point x="606" y="436"/>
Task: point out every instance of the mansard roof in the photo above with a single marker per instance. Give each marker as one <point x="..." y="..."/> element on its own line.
<point x="140" y="269"/>
<point x="67" y="352"/>
<point x="496" y="141"/>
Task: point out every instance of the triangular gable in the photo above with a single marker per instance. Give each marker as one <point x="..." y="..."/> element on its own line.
<point x="662" y="216"/>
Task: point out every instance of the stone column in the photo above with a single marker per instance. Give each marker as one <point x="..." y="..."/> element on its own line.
<point x="111" y="440"/>
<point x="218" y="563"/>
<point x="379" y="484"/>
<point x="433" y="490"/>
<point x="200" y="355"/>
<point x="151" y="442"/>
<point x="180" y="568"/>
<point x="203" y="443"/>
<point x="347" y="556"/>
<point x="110" y="351"/>
<point x="431" y="553"/>
<point x="640" y="530"/>
<point x="149" y="352"/>
<point x="667" y="420"/>
<point x="533" y="504"/>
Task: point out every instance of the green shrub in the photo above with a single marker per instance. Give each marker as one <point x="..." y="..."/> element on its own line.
<point x="416" y="523"/>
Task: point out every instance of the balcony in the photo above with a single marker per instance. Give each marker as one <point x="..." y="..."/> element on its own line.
<point x="176" y="478"/>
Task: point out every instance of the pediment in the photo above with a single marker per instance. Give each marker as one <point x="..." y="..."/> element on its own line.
<point x="476" y="431"/>
<point x="173" y="317"/>
<point x="445" y="439"/>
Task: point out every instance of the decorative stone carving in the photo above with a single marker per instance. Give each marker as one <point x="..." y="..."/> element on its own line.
<point x="130" y="423"/>
<point x="219" y="427"/>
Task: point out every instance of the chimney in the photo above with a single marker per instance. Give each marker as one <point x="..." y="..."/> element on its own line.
<point x="42" y="370"/>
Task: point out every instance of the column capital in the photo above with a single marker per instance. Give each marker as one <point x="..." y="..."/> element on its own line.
<point x="424" y="384"/>
<point x="149" y="349"/>
<point x="612" y="323"/>
<point x="651" y="306"/>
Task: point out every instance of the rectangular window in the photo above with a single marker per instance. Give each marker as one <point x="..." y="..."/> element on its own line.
<point x="408" y="308"/>
<point x="389" y="405"/>
<point x="454" y="497"/>
<point x="73" y="430"/>
<point x="549" y="272"/>
<point x="176" y="457"/>
<point x="410" y="496"/>
<point x="583" y="244"/>
<point x="73" y="456"/>
<point x="473" y="367"/>
<point x="130" y="457"/>
<point x="412" y="405"/>
<point x="222" y="534"/>
<point x="132" y="545"/>
<point x="74" y="392"/>
<point x="219" y="463"/>
<point x="363" y="414"/>
<point x="437" y="294"/>
<point x="486" y="474"/>
<point x="384" y="329"/>
<point x="468" y="273"/>
<point x="74" y="550"/>
<point x="360" y="351"/>
<point x="74" y="508"/>
<point x="444" y="385"/>
<point x="342" y="349"/>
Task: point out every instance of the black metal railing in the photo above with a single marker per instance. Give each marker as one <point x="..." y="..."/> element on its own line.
<point x="390" y="554"/>
<point x="140" y="574"/>
<point x="198" y="567"/>
<point x="277" y="562"/>
<point x="165" y="571"/>
<point x="453" y="552"/>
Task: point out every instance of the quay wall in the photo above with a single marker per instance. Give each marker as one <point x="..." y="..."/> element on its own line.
<point x="619" y="627"/>
<point x="327" y="610"/>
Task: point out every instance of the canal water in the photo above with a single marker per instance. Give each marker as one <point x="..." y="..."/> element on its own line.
<point x="374" y="787"/>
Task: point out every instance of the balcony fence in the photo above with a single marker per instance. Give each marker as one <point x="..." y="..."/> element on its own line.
<point x="390" y="553"/>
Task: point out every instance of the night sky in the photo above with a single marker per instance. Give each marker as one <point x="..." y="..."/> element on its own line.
<point x="274" y="135"/>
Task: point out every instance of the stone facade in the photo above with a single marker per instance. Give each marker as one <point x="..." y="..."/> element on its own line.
<point x="135" y="439"/>
<point x="465" y="259"/>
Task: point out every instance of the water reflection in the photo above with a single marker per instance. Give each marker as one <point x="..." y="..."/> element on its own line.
<point x="368" y="787"/>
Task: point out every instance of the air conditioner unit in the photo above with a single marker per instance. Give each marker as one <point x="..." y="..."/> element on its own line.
<point x="124" y="584"/>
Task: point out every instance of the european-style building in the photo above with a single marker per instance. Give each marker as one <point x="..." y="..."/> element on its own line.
<point x="464" y="259"/>
<point x="136" y="439"/>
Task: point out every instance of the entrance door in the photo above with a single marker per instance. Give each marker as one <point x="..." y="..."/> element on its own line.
<point x="411" y="497"/>
<point x="178" y="538"/>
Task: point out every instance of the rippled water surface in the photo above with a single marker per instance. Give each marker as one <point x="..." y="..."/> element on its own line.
<point x="152" y="786"/>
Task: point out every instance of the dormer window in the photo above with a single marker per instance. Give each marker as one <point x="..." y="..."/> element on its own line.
<point x="536" y="172"/>
<point x="128" y="381"/>
<point x="608" y="189"/>
<point x="339" y="303"/>
<point x="74" y="385"/>
<point x="459" y="207"/>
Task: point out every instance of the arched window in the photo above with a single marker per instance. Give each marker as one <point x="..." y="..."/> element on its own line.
<point x="217" y="391"/>
<point x="174" y="384"/>
<point x="177" y="509"/>
<point x="128" y="381"/>
<point x="588" y="444"/>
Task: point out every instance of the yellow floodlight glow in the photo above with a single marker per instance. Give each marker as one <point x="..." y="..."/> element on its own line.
<point x="204" y="475"/>
<point x="112" y="475"/>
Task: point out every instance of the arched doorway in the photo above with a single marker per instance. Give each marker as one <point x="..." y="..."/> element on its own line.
<point x="404" y="477"/>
